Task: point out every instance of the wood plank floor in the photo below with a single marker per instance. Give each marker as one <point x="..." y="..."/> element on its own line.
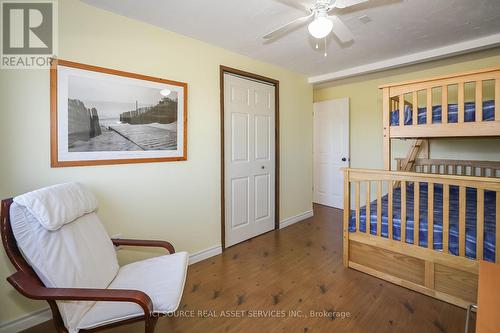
<point x="298" y="268"/>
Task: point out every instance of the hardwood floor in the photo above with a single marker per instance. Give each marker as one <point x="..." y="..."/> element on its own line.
<point x="299" y="269"/>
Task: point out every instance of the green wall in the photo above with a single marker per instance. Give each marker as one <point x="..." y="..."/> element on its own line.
<point x="366" y="111"/>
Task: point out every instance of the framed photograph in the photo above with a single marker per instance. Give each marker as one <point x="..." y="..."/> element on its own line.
<point x="104" y="116"/>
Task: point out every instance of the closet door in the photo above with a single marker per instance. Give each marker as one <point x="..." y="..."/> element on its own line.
<point x="249" y="149"/>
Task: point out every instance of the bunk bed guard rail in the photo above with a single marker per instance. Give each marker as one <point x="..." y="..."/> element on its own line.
<point x="458" y="105"/>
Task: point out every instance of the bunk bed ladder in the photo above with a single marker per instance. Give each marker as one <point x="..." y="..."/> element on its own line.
<point x="409" y="162"/>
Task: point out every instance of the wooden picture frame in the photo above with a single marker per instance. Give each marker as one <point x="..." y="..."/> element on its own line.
<point x="89" y="127"/>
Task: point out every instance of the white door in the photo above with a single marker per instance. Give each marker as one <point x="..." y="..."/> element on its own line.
<point x="331" y="151"/>
<point x="249" y="132"/>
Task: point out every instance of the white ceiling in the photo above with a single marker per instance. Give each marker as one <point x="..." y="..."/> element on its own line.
<point x="398" y="28"/>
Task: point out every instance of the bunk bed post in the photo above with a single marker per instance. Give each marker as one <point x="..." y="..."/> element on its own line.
<point x="386" y="109"/>
<point x="497" y="226"/>
<point x="497" y="98"/>
<point x="347" y="210"/>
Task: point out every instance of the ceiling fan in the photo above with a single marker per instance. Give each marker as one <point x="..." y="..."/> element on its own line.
<point x="323" y="22"/>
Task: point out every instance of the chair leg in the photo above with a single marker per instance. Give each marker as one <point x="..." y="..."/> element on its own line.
<point x="150" y="324"/>
<point x="56" y="318"/>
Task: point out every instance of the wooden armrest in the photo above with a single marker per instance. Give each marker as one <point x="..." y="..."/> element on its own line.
<point x="31" y="288"/>
<point x="146" y="243"/>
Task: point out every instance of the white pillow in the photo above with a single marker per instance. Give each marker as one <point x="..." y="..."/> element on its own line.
<point x="57" y="205"/>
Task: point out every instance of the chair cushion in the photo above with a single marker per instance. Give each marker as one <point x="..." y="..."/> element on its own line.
<point x="76" y="255"/>
<point x="161" y="278"/>
<point x="57" y="205"/>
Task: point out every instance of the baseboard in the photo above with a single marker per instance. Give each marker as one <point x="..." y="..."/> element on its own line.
<point x="215" y="250"/>
<point x="297" y="218"/>
<point x="205" y="254"/>
<point x="26" y="321"/>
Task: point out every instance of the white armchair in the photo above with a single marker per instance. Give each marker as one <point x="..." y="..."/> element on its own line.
<point x="63" y="254"/>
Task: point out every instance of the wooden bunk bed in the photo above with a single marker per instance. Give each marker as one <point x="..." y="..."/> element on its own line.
<point x="426" y="225"/>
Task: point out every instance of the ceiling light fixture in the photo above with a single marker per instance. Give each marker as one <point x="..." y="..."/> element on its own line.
<point x="320" y="27"/>
<point x="325" y="18"/>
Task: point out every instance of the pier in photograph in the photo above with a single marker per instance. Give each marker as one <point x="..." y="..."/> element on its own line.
<point x="150" y="136"/>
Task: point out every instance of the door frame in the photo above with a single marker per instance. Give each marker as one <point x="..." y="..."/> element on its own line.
<point x="229" y="70"/>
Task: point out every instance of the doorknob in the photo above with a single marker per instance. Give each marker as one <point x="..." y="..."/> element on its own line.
<point x="344" y="159"/>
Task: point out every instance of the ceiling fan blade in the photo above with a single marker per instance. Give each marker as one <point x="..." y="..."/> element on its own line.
<point x="348" y="3"/>
<point x="341" y="30"/>
<point x="289" y="25"/>
<point x="297" y="4"/>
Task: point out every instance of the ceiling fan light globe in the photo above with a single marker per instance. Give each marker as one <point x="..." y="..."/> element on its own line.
<point x="320" y="27"/>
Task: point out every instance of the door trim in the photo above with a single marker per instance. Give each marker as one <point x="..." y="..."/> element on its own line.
<point x="276" y="84"/>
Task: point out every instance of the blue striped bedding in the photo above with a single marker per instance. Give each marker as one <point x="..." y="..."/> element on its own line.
<point x="469" y="114"/>
<point x="470" y="233"/>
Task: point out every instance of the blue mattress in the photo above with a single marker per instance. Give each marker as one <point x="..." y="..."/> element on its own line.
<point x="469" y="114"/>
<point x="470" y="232"/>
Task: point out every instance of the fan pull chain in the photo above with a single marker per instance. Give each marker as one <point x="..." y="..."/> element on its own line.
<point x="317" y="46"/>
<point x="325" y="48"/>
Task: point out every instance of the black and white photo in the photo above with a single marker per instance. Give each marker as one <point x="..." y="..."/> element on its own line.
<point x="105" y="117"/>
